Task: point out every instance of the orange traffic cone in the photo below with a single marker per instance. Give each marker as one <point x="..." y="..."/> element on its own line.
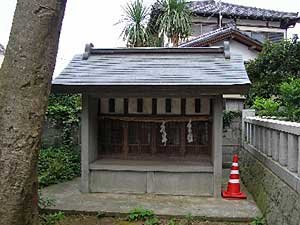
<point x="233" y="188"/>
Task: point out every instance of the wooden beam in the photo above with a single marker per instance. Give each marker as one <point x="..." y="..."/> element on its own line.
<point x="153" y="139"/>
<point x="125" y="147"/>
<point x="182" y="139"/>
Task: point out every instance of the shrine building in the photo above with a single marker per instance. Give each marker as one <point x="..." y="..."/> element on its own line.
<point x="152" y="117"/>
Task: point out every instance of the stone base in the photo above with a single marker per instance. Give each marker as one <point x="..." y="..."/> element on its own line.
<point x="278" y="201"/>
<point x="172" y="178"/>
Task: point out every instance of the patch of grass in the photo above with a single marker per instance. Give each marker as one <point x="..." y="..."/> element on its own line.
<point x="140" y="213"/>
<point x="152" y="221"/>
<point x="258" y="221"/>
<point x="51" y="219"/>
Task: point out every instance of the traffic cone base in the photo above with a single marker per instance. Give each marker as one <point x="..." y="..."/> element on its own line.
<point x="229" y="195"/>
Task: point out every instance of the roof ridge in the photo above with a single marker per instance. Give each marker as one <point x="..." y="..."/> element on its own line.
<point x="221" y="32"/>
<point x="208" y="34"/>
<point x="259" y="8"/>
<point x="244" y="6"/>
<point x="90" y="50"/>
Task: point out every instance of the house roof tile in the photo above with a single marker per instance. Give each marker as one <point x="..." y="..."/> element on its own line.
<point x="211" y="7"/>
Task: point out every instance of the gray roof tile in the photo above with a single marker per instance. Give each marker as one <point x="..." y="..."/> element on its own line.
<point x="172" y="66"/>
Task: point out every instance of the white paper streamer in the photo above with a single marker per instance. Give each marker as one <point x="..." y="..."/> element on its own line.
<point x="190" y="137"/>
<point x="163" y="132"/>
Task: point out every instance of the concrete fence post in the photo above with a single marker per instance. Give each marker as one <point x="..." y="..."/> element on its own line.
<point x="292" y="153"/>
<point x="254" y="135"/>
<point x="246" y="113"/>
<point x="283" y="149"/>
<point x="250" y="133"/>
<point x="268" y="142"/>
<point x="264" y="140"/>
<point x="298" y="156"/>
<point x="259" y="138"/>
<point x="275" y="145"/>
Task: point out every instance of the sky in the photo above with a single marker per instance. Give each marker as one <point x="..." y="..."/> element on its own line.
<point x="94" y="21"/>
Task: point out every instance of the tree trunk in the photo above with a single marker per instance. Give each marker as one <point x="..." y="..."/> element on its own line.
<point x="175" y="40"/>
<point x="25" y="82"/>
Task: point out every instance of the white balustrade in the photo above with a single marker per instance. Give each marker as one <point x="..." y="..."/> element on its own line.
<point x="278" y="140"/>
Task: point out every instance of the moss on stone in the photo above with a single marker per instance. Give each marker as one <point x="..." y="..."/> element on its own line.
<point x="278" y="202"/>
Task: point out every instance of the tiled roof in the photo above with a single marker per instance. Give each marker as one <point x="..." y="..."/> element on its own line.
<point x="212" y="8"/>
<point x="154" y="66"/>
<point x="222" y="34"/>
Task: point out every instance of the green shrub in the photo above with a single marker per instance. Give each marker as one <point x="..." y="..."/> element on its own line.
<point x="140" y="213"/>
<point x="63" y="111"/>
<point x="290" y="98"/>
<point x="51" y="219"/>
<point x="228" y="116"/>
<point x="57" y="164"/>
<point x="273" y="65"/>
<point x="266" y="107"/>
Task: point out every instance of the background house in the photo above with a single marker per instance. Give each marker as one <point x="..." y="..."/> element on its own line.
<point x="260" y="24"/>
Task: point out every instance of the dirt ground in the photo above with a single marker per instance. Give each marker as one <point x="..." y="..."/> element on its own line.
<point x="93" y="220"/>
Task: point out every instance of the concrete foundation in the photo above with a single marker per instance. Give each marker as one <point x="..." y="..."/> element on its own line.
<point x="159" y="177"/>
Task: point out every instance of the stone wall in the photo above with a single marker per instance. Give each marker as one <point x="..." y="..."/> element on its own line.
<point x="231" y="140"/>
<point x="53" y="135"/>
<point x="278" y="201"/>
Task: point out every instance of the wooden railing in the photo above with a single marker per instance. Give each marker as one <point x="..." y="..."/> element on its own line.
<point x="275" y="140"/>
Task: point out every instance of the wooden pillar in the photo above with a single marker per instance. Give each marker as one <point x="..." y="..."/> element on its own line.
<point x="89" y="138"/>
<point x="182" y="140"/>
<point x="153" y="139"/>
<point x="125" y="147"/>
<point x="217" y="132"/>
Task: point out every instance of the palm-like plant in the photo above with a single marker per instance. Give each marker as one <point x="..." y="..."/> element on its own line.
<point x="175" y="20"/>
<point x="135" y="19"/>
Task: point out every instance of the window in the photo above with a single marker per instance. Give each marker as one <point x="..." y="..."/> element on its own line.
<point x="111" y="105"/>
<point x="197" y="105"/>
<point x="125" y="106"/>
<point x="154" y="106"/>
<point x="168" y="105"/>
<point x="140" y="105"/>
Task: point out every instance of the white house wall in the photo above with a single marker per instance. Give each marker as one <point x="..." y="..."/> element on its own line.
<point x="1" y="59"/>
<point x="240" y="49"/>
<point x="261" y="29"/>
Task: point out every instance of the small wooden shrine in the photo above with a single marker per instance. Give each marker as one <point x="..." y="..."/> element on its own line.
<point x="152" y="117"/>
